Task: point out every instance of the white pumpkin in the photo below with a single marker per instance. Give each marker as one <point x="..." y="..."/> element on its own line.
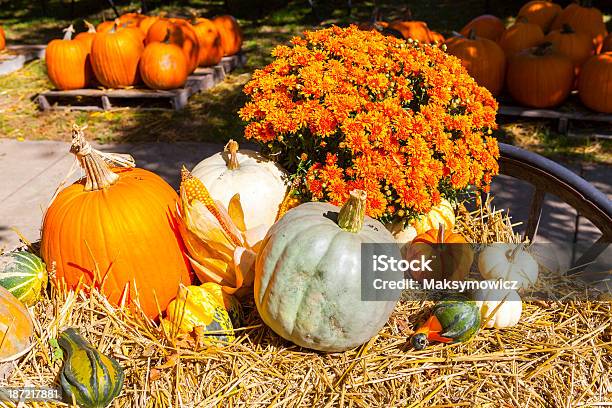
<point x="261" y="183"/>
<point x="509" y="262"/>
<point x="499" y="308"/>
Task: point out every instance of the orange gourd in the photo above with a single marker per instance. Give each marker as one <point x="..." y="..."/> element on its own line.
<point x="181" y="34"/>
<point x="484" y="60"/>
<point x="485" y="26"/>
<point x="116" y="230"/>
<point x="231" y="34"/>
<point x="16" y="327"/>
<point x="209" y="39"/>
<point x="520" y="36"/>
<point x="115" y="56"/>
<point x="576" y="46"/>
<point x="163" y="66"/>
<point x="2" y="39"/>
<point x="67" y="61"/>
<point x="87" y="36"/>
<point x="450" y="254"/>
<point x="540" y="77"/>
<point x="595" y="83"/>
<point x="540" y="12"/>
<point x="416" y="30"/>
<point x="583" y="18"/>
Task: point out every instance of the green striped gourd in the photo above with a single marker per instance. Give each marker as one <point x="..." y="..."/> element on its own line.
<point x="24" y="275"/>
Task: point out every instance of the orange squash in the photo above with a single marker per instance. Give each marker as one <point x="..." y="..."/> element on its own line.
<point x="116" y="230"/>
<point x="484" y="60"/>
<point x="67" y="61"/>
<point x="540" y="77"/>
<point x="181" y="34"/>
<point x="450" y="254"/>
<point x="231" y="34"/>
<point x="87" y="36"/>
<point x="576" y="46"/>
<point x="209" y="39"/>
<point x="2" y="39"/>
<point x="115" y="56"/>
<point x="583" y="18"/>
<point x="163" y="66"/>
<point x="595" y="83"/>
<point x="16" y="327"/>
<point x="485" y="26"/>
<point x="416" y="30"/>
<point x="540" y="12"/>
<point x="520" y="36"/>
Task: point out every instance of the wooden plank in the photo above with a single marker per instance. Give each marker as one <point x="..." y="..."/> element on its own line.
<point x="553" y="114"/>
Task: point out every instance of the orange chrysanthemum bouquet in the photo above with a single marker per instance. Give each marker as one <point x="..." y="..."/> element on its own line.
<point x="343" y="109"/>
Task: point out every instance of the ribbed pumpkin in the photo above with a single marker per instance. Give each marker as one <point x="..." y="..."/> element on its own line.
<point x="520" y="36"/>
<point x="484" y="60"/>
<point x="606" y="46"/>
<point x="416" y="30"/>
<point x="595" y="83"/>
<point x="583" y="18"/>
<point x="540" y="77"/>
<point x="87" y="36"/>
<point x="105" y="26"/>
<point x="308" y="275"/>
<point x="2" y="39"/>
<point x="89" y="377"/>
<point x="130" y="19"/>
<point x="181" y="34"/>
<point x="163" y="66"/>
<point x="116" y="230"/>
<point x="261" y="183"/>
<point x="540" y="12"/>
<point x="114" y="57"/>
<point x="146" y="22"/>
<point x="67" y="61"/>
<point x="485" y="26"/>
<point x="15" y="325"/>
<point x="24" y="275"/>
<point x="451" y="255"/>
<point x="576" y="46"/>
<point x="209" y="39"/>
<point x="231" y="34"/>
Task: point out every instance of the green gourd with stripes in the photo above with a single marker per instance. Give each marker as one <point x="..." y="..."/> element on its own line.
<point x="24" y="275"/>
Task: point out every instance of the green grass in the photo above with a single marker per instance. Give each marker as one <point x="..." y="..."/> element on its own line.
<point x="212" y="116"/>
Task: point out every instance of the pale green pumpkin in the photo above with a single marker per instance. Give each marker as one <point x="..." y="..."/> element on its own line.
<point x="308" y="276"/>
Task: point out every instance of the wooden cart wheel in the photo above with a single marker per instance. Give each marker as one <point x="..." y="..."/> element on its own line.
<point x="549" y="177"/>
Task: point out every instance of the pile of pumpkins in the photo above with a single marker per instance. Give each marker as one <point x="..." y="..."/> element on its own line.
<point x="161" y="52"/>
<point x="2" y="39"/>
<point x="539" y="60"/>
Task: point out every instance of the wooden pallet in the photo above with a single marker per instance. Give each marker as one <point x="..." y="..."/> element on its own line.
<point x="571" y="110"/>
<point x="16" y="56"/>
<point x="143" y="99"/>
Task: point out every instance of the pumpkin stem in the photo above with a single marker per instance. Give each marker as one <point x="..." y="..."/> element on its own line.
<point x="543" y="49"/>
<point x="90" y="27"/>
<point x="472" y="34"/>
<point x="352" y="213"/>
<point x="567" y="29"/>
<point x="98" y="173"/>
<point x="68" y="32"/>
<point x="232" y="148"/>
<point x="522" y="19"/>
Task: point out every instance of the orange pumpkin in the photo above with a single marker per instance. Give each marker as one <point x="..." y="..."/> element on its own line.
<point x="67" y="61"/>
<point x="209" y="39"/>
<point x="606" y="45"/>
<point x="105" y="26"/>
<point x="146" y="22"/>
<point x="114" y="57"/>
<point x="540" y="12"/>
<point x="231" y="34"/>
<point x="576" y="46"/>
<point x="583" y="18"/>
<point x="520" y="36"/>
<point x="540" y="77"/>
<point x="416" y="30"/>
<point x="595" y="83"/>
<point x="450" y="254"/>
<point x="2" y="39"/>
<point x="484" y="60"/>
<point x="131" y="19"/>
<point x="181" y="34"/>
<point x="16" y="327"/>
<point x="116" y="230"/>
<point x="163" y="66"/>
<point x="87" y="36"/>
<point x="485" y="26"/>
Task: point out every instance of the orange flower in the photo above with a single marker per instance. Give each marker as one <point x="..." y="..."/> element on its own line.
<point x="343" y="108"/>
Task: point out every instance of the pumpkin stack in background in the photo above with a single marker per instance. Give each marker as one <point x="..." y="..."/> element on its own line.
<point x="135" y="50"/>
<point x="2" y="39"/>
